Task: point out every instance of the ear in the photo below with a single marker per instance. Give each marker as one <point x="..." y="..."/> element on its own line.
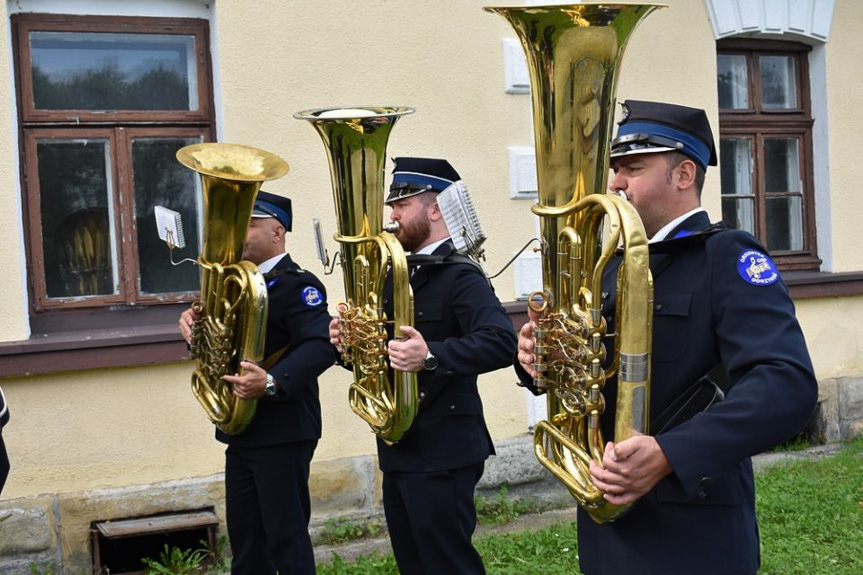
<point x="278" y="233"/>
<point x="434" y="211"/>
<point x="685" y="171"/>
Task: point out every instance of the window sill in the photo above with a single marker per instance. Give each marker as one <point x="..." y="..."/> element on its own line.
<point x="77" y="341"/>
<point x="92" y="349"/>
<point x="812" y="284"/>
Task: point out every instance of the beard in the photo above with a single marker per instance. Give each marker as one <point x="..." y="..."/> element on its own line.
<point x="412" y="235"/>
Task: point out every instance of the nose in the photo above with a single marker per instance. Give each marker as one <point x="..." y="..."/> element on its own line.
<point x="617" y="182"/>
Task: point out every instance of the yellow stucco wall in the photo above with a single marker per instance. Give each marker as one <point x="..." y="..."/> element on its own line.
<point x="845" y="100"/>
<point x="87" y="430"/>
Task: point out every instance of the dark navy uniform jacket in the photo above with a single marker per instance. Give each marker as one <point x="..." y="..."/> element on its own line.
<point x="701" y="518"/>
<point x="297" y="318"/>
<point x="466" y="328"/>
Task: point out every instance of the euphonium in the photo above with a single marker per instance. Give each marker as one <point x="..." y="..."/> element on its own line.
<point x="356" y="141"/>
<point x="233" y="307"/>
<point x="573" y="54"/>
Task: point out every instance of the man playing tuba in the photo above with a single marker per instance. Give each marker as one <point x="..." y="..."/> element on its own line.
<point x="461" y="330"/>
<point x="692" y="478"/>
<point x="267" y="464"/>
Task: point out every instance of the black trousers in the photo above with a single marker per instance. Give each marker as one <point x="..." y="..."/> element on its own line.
<point x="268" y="508"/>
<point x="431" y="518"/>
<point x="4" y="463"/>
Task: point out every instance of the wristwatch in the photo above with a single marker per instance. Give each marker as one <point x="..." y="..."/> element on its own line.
<point x="430" y="362"/>
<point x="271" y="385"/>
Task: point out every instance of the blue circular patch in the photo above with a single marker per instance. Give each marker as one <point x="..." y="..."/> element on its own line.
<point x="757" y="268"/>
<point x="311" y="296"/>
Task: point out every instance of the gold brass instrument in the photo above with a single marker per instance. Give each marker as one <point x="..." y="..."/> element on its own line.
<point x="355" y="140"/>
<point x="573" y="53"/>
<point x="232" y="312"/>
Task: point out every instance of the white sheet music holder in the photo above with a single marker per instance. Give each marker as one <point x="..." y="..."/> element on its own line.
<point x="170" y="226"/>
<point x="462" y="220"/>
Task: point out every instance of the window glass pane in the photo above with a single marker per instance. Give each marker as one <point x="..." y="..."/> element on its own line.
<point x="77" y="212"/>
<point x="782" y="165"/>
<point x="785" y="223"/>
<point x="160" y="180"/>
<point x="778" y="82"/>
<point x="739" y="213"/>
<point x="735" y="169"/>
<point x="733" y="80"/>
<point x="98" y="71"/>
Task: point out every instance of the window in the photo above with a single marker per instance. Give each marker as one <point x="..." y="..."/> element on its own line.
<point x="104" y="104"/>
<point x="765" y="127"/>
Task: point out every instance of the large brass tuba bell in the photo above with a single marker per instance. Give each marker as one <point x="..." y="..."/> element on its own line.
<point x="356" y="141"/>
<point x="233" y="308"/>
<point x="573" y="53"/>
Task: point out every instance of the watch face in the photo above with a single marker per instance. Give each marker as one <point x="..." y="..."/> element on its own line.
<point x="430" y="363"/>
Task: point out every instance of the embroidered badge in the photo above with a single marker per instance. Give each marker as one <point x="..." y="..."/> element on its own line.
<point x="311" y="296"/>
<point x="757" y="268"/>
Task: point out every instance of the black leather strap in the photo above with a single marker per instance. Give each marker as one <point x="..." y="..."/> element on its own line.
<point x="709" y="389"/>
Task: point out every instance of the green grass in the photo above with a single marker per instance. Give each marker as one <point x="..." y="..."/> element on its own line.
<point x="342" y="530"/>
<point x="810" y="517"/>
<point x="501" y="509"/>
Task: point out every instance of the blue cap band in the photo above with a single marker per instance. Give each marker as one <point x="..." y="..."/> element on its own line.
<point x="414" y="179"/>
<point x="265" y="208"/>
<point x="692" y="146"/>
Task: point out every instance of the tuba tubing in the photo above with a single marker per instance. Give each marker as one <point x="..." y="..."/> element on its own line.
<point x="573" y="54"/>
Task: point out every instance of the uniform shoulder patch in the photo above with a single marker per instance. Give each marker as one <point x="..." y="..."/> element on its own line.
<point x="311" y="296"/>
<point x="757" y="268"/>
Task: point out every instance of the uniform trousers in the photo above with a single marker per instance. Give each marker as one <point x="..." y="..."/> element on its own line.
<point x="268" y="508"/>
<point x="431" y="518"/>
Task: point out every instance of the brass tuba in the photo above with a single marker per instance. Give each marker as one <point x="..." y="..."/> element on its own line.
<point x="573" y="54"/>
<point x="356" y="141"/>
<point x="233" y="308"/>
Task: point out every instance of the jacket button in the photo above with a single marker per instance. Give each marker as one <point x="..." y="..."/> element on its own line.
<point x="657" y="307"/>
<point x="452" y="407"/>
<point x="705" y="482"/>
<point x="702" y="495"/>
<point x="419" y="314"/>
<point x="422" y="394"/>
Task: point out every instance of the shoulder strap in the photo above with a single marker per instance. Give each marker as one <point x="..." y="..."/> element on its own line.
<point x="453" y="258"/>
<point x="684" y="242"/>
<point x="271" y="360"/>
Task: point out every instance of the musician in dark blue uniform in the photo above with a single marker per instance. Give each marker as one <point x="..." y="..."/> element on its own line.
<point x="721" y="310"/>
<point x="267" y="465"/>
<point x="460" y="331"/>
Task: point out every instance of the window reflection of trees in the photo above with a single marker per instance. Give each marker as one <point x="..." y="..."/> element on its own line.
<point x="109" y="88"/>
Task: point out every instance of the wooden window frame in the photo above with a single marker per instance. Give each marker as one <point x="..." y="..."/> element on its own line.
<point x="120" y="128"/>
<point x="24" y="24"/>
<point x="758" y="123"/>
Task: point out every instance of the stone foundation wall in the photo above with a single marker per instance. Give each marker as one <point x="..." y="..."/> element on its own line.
<point x="55" y="529"/>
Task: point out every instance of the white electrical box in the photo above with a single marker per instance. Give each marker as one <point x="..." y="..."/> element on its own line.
<point x="522" y="172"/>
<point x="515" y="68"/>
